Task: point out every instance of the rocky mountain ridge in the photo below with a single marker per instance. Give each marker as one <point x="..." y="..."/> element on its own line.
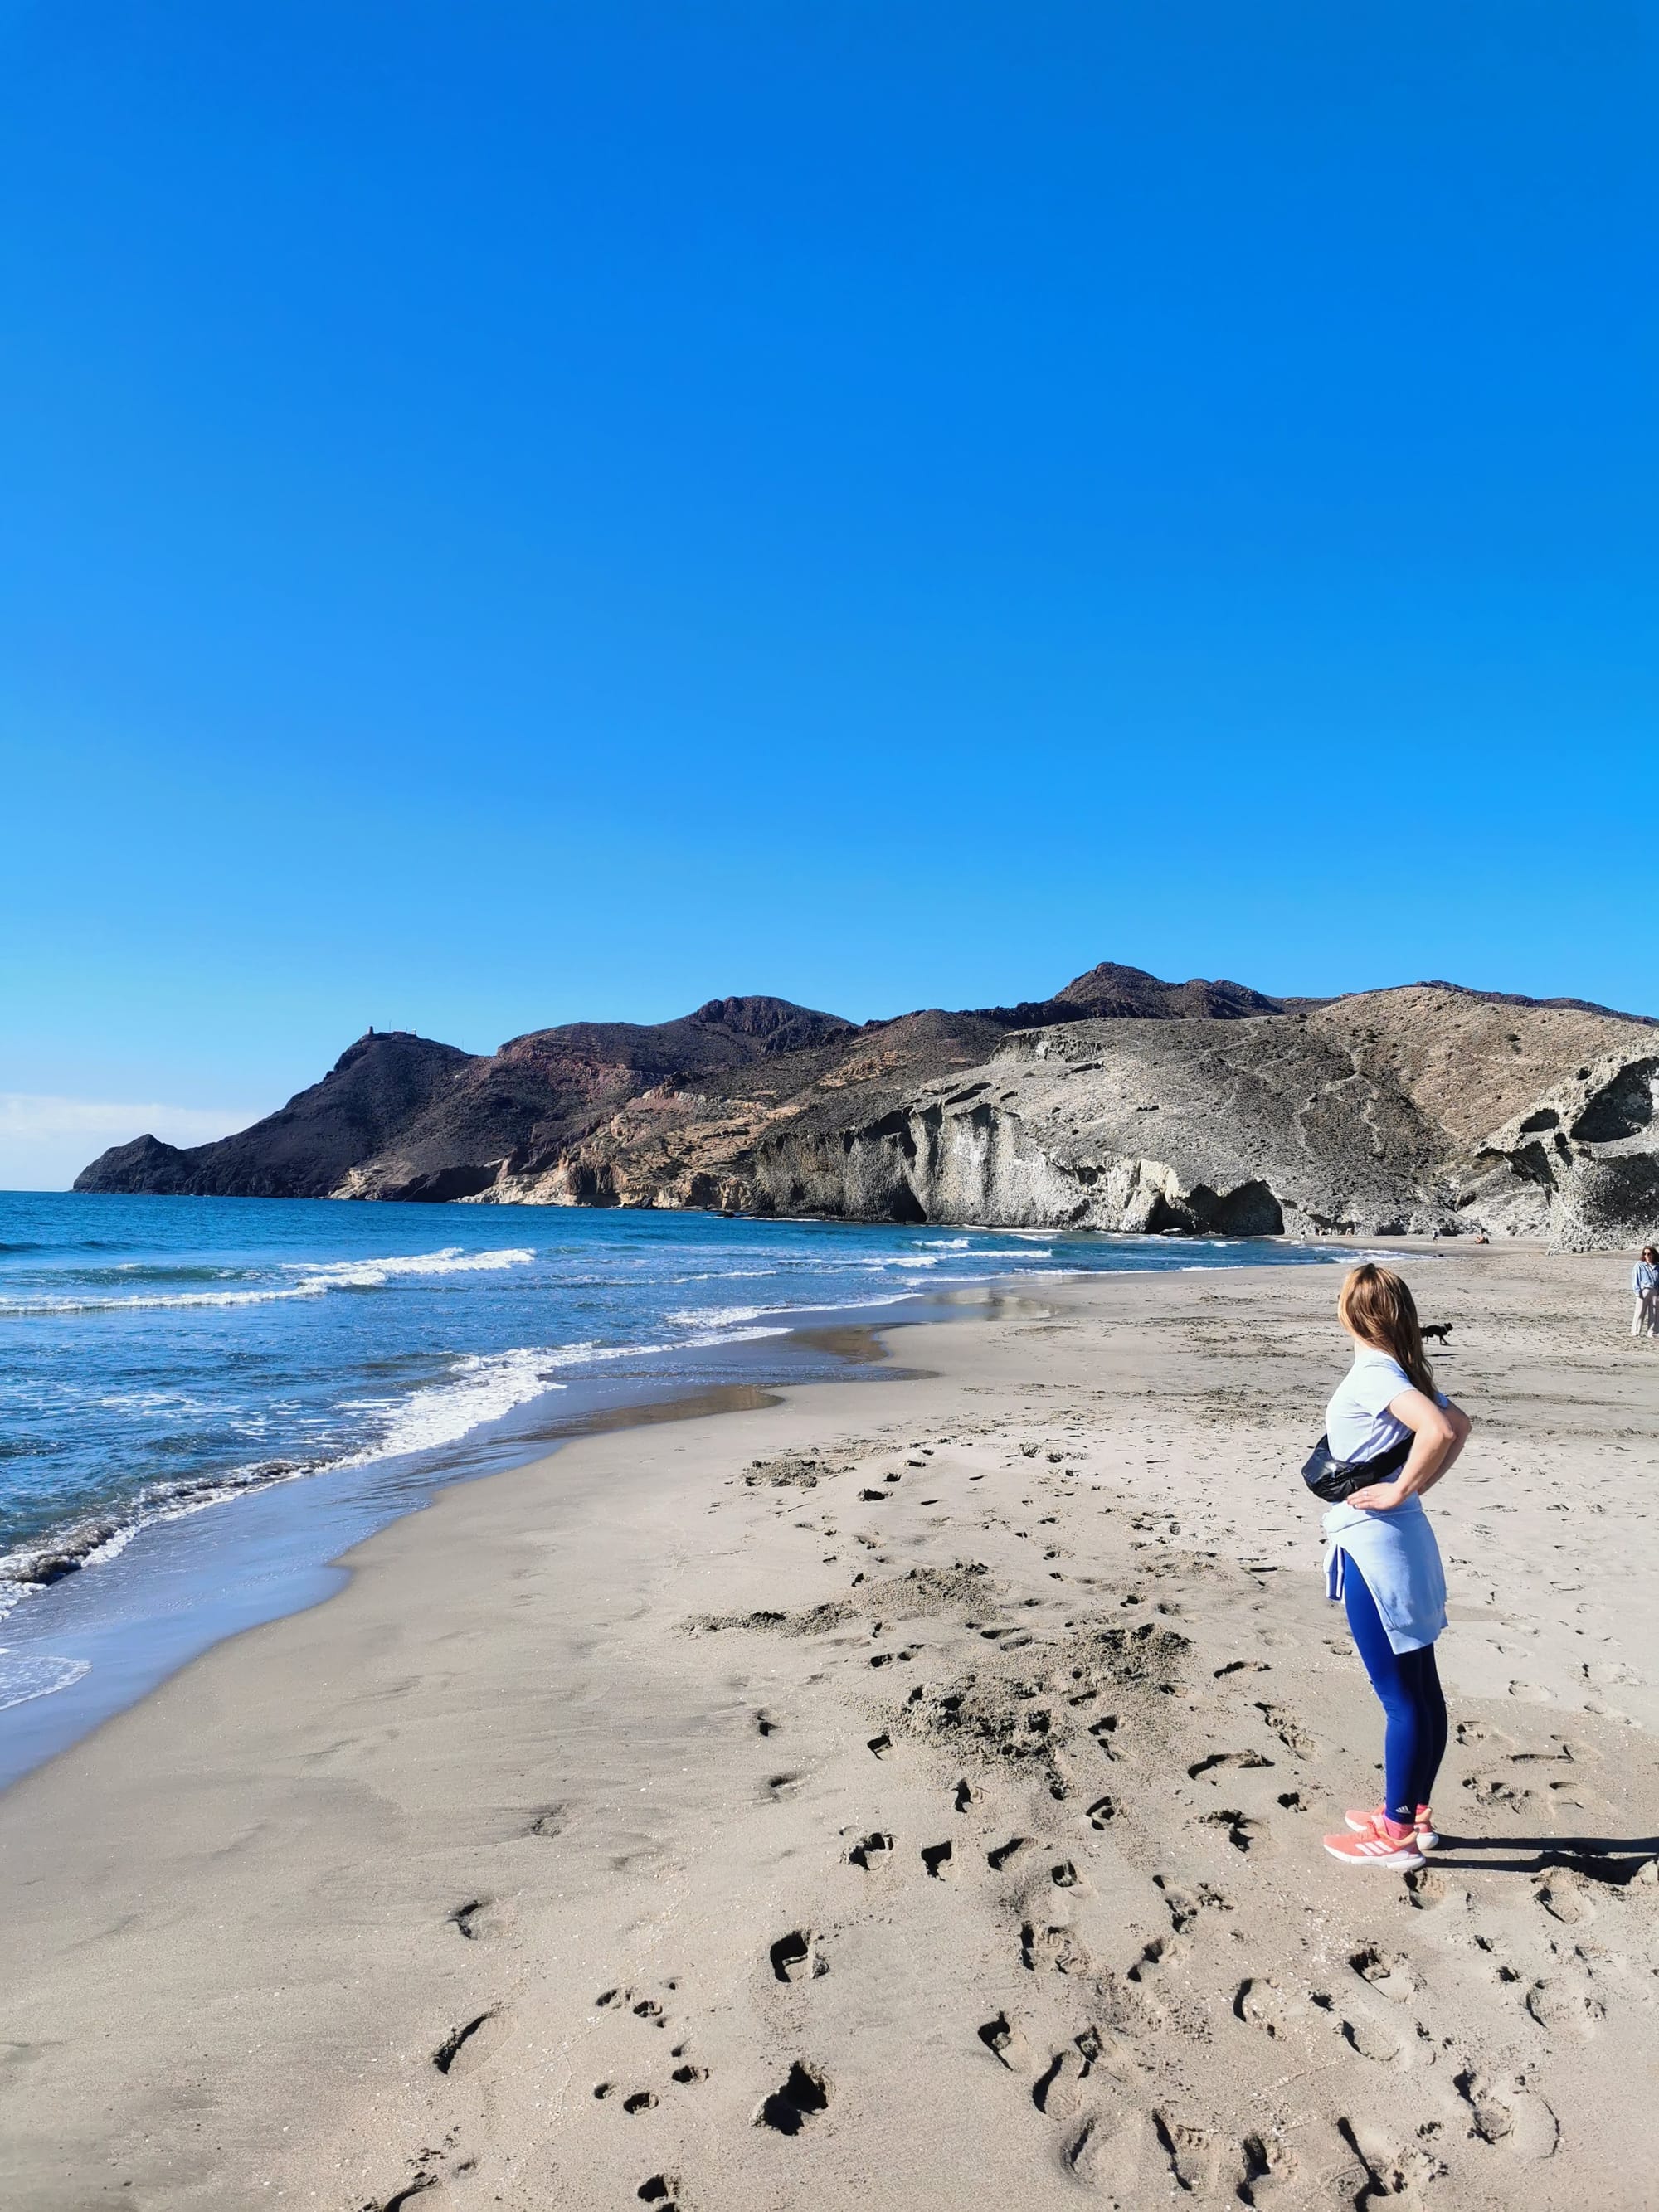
<point x="1122" y="1102"/>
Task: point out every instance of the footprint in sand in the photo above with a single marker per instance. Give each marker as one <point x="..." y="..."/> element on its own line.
<point x="1563" y="1898"/>
<point x="999" y="1856"/>
<point x="1611" y="1674"/>
<point x="1053" y="1949"/>
<point x="1255" y="2002"/>
<point x="479" y="1920"/>
<point x="401" y="2198"/>
<point x="1155" y="1958"/>
<point x="660" y="2189"/>
<point x="1470" y="1733"/>
<point x="1562" y="1752"/>
<point x="1005" y="2042"/>
<point x="1266" y="2175"/>
<point x="1294" y="1738"/>
<point x="1509" y="2114"/>
<point x="796" y="1957"/>
<point x="1240" y="1832"/>
<point x="468" y="2045"/>
<point x="802" y="2095"/>
<point x="1495" y="1790"/>
<point x="1184" y="1906"/>
<point x="1425" y="1889"/>
<point x="1361" y="2035"/>
<point x="1215" y="1761"/>
<point x="872" y="1852"/>
<point x="1391" y="1976"/>
<point x="1555" y="2007"/>
<point x="1191" y="2156"/>
<point x="1056" y="2091"/>
<point x="1113" y="2158"/>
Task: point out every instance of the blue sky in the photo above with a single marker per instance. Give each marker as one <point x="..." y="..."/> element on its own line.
<point x="515" y="513"/>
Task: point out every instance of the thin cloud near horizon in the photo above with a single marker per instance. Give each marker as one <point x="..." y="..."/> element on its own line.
<point x="45" y="1141"/>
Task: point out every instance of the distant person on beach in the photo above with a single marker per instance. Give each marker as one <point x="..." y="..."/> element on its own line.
<point x="1645" y="1288"/>
<point x="1381" y="1558"/>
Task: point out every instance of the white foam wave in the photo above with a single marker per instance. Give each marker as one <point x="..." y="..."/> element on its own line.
<point x="715" y="1316"/>
<point x="317" y="1280"/>
<point x="724" y="1336"/>
<point x="487" y="1387"/>
<point x="369" y="1274"/>
<point x="484" y="1386"/>
<point x="481" y="1388"/>
<point x="23" y="1677"/>
<point x="18" y="1307"/>
<point x="152" y="1401"/>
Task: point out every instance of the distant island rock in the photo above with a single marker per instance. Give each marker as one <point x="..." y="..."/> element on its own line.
<point x="1120" y="1102"/>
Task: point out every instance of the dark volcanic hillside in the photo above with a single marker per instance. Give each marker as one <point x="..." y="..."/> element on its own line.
<point x="1120" y="1102"/>
<point x="1111" y="993"/>
<point x="375" y="1088"/>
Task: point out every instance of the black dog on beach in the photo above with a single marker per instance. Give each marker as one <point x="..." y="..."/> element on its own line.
<point x="1443" y="1329"/>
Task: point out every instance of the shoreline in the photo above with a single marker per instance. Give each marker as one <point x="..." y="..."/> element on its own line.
<point x="177" y="1579"/>
<point x="178" y="1586"/>
<point x="621" y="1734"/>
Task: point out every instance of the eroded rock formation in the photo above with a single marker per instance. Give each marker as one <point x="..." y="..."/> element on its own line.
<point x="1120" y="1103"/>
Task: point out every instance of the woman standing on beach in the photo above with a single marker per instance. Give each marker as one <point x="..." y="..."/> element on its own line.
<point x="1645" y="1288"/>
<point x="1383" y="1560"/>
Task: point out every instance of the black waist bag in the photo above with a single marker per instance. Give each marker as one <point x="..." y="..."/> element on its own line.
<point x="1335" y="1480"/>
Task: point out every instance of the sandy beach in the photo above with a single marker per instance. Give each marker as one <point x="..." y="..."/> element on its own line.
<point x="905" y="1796"/>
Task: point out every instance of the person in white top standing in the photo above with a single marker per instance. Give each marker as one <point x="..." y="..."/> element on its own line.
<point x="1384" y="1562"/>
<point x="1644" y="1289"/>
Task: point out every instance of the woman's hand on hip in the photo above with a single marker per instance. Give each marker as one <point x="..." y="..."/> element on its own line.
<point x="1377" y="1498"/>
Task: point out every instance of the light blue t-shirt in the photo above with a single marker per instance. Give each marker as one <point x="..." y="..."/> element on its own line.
<point x="1394" y="1551"/>
<point x="1358" y="1422"/>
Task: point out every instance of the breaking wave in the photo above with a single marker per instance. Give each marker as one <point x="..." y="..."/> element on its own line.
<point x="316" y="1279"/>
<point x="481" y="1388"/>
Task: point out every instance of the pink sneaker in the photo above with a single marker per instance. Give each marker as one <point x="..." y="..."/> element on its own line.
<point x="1423" y="1826"/>
<point x="1376" y="1846"/>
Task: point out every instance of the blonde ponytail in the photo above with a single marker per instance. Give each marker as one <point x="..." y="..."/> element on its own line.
<point x="1376" y="1306"/>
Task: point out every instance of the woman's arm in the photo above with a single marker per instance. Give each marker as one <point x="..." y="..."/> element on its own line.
<point x="1439" y="1434"/>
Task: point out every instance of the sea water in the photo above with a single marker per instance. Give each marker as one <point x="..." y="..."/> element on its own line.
<point x="163" y="1359"/>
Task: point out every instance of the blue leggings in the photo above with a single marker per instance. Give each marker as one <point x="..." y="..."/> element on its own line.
<point x="1408" y="1683"/>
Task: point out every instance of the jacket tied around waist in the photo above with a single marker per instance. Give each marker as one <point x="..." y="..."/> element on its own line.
<point x="1397" y="1557"/>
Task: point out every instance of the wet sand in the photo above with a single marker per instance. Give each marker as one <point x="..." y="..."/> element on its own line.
<point x="904" y="1798"/>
